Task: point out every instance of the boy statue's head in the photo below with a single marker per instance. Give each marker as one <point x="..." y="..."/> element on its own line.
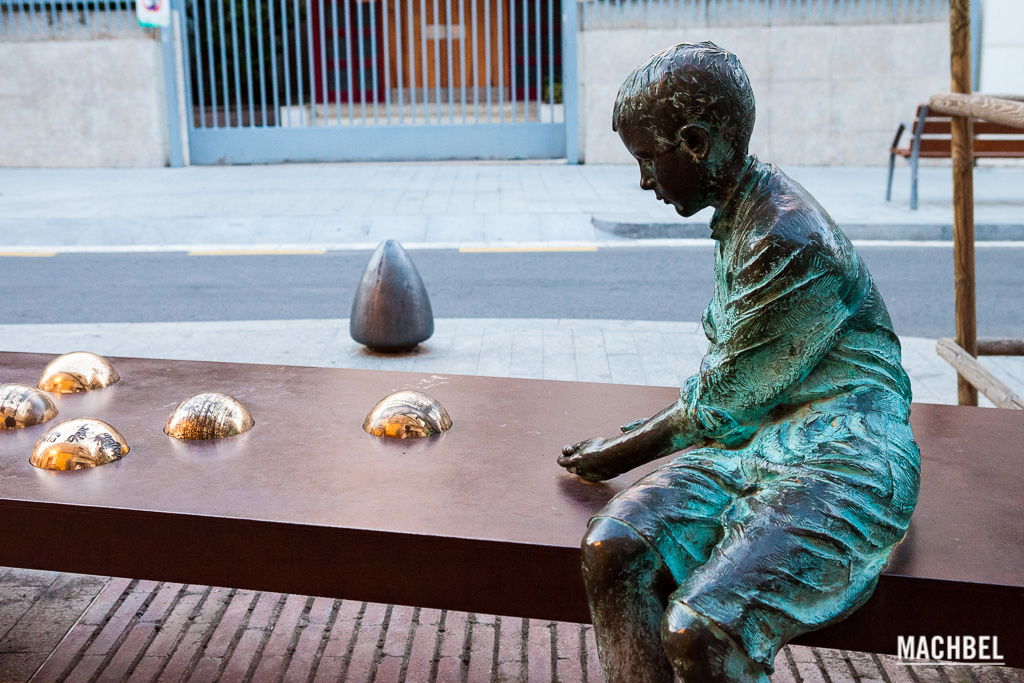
<point x="686" y="115"/>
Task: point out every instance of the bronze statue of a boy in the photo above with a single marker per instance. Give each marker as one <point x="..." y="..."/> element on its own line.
<point x="806" y="471"/>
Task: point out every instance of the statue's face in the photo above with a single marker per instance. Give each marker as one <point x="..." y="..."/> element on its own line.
<point x="670" y="166"/>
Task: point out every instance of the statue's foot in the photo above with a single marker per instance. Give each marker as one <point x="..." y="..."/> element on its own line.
<point x="700" y="650"/>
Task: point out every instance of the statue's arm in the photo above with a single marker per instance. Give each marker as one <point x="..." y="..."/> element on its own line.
<point x="787" y="311"/>
<point x="669" y="431"/>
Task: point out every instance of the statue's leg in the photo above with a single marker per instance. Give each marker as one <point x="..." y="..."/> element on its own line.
<point x="628" y="587"/>
<point x="799" y="553"/>
<point x="642" y="545"/>
<point x="700" y="651"/>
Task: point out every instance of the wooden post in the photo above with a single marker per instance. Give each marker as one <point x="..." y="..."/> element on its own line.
<point x="1008" y="112"/>
<point x="1001" y="347"/>
<point x="969" y="368"/>
<point x="963" y="194"/>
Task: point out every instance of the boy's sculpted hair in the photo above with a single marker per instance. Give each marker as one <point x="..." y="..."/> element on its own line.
<point x="689" y="84"/>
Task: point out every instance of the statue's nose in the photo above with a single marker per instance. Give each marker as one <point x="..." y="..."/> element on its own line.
<point x="646" y="182"/>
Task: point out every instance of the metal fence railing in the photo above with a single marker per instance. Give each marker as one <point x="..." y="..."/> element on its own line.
<point x="324" y="80"/>
<point x="66" y="19"/>
<point x="312" y="63"/>
<point x="597" y="14"/>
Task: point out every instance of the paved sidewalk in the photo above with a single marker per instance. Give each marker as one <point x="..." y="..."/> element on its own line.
<point x="148" y="631"/>
<point x="352" y="205"/>
<point x="615" y="351"/>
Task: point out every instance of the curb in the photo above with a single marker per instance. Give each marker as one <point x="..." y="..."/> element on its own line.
<point x="648" y="229"/>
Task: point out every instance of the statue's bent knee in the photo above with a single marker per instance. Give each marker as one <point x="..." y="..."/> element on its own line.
<point x="611" y="547"/>
<point x="700" y="650"/>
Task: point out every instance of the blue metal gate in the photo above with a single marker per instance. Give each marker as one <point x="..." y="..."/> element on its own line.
<point x="332" y="80"/>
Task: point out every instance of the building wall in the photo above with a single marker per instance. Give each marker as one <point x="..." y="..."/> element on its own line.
<point x="1002" y="47"/>
<point x="826" y="94"/>
<point x="82" y="101"/>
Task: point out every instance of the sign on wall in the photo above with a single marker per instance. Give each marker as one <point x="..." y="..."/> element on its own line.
<point x="155" y="13"/>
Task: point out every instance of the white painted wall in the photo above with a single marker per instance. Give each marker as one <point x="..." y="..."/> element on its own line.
<point x="91" y="102"/>
<point x="826" y="94"/>
<point x="1002" y="47"/>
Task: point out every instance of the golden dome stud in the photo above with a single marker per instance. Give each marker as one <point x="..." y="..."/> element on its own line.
<point x="407" y="415"/>
<point x="24" y="406"/>
<point x="78" y="444"/>
<point x="209" y="415"/>
<point x="76" y="372"/>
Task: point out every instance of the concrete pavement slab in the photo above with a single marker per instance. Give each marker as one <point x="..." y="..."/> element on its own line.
<point x="616" y="351"/>
<point x="440" y="202"/>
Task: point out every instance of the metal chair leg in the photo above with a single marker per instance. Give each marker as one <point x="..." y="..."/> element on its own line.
<point x="913" y="184"/>
<point x="915" y="155"/>
<point x="888" y="186"/>
<point x="892" y="159"/>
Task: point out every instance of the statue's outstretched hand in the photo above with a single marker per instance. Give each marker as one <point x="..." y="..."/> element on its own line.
<point x="640" y="442"/>
<point x="588" y="460"/>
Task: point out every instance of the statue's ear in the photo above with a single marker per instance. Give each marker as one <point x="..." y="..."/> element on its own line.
<point x="696" y="140"/>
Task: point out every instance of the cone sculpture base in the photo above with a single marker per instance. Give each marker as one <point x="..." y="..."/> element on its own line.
<point x="391" y="310"/>
<point x="392" y="350"/>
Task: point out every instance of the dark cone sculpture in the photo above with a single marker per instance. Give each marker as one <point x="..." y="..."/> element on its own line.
<point x="391" y="311"/>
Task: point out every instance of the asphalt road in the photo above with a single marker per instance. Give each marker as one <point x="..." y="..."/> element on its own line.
<point x="661" y="283"/>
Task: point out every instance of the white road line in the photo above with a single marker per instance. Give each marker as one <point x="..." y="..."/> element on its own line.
<point x="255" y="252"/>
<point x="526" y="249"/>
<point x="940" y="244"/>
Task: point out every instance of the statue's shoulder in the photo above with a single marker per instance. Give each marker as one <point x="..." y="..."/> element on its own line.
<point x="784" y="222"/>
<point x="800" y="223"/>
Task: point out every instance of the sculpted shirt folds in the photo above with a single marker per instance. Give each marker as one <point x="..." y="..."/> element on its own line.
<point x="795" y="316"/>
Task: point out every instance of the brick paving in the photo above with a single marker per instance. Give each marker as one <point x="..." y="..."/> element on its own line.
<point x="36" y="610"/>
<point x="148" y="631"/>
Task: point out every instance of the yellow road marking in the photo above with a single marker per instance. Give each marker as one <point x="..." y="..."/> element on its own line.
<point x="256" y="252"/>
<point x="27" y="254"/>
<point x="506" y="250"/>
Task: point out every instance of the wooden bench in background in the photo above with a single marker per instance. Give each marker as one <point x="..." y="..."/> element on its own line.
<point x="930" y="138"/>
<point x="480" y="519"/>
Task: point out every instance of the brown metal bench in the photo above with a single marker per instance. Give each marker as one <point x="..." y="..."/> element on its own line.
<point x="930" y="138"/>
<point x="480" y="519"/>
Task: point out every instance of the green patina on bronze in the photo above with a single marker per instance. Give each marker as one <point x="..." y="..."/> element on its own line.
<point x="803" y="471"/>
